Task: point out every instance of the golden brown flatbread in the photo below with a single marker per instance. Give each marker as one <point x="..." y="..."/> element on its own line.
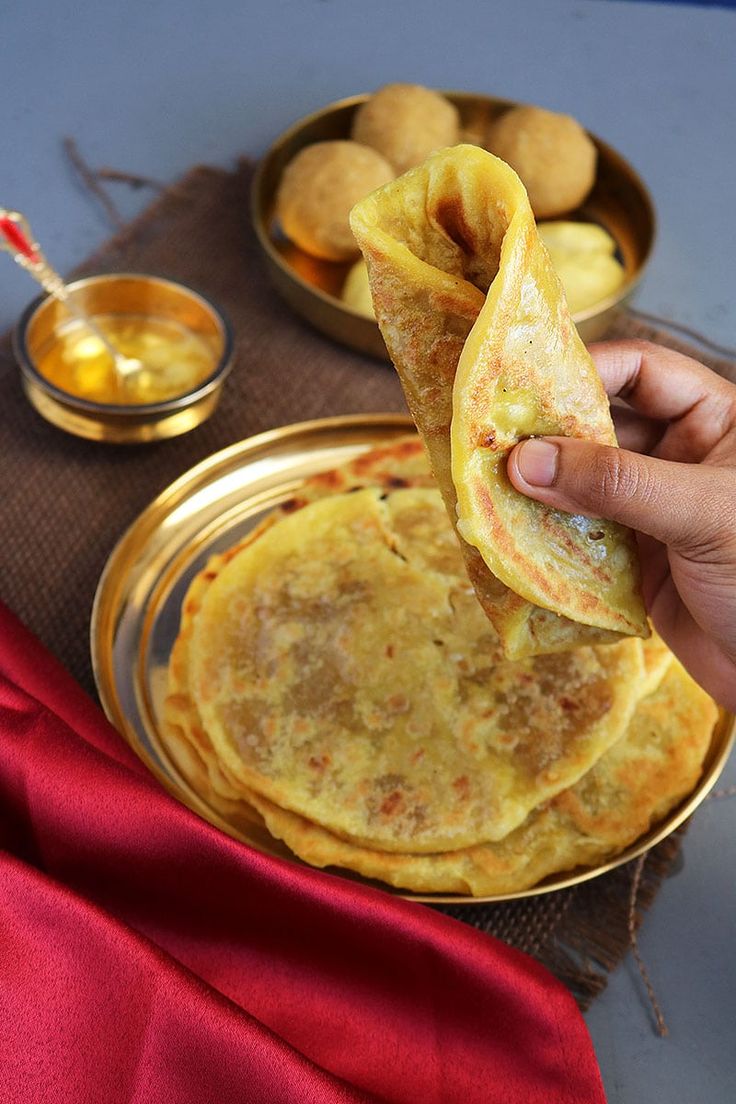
<point x="348" y="607"/>
<point x="476" y="323"/>
<point x="632" y="787"/>
<point x="399" y="463"/>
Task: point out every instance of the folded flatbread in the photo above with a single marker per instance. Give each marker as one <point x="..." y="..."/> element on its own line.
<point x="476" y="323"/>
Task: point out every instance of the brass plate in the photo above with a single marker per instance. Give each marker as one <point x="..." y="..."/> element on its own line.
<point x="135" y="618"/>
<point x="619" y="201"/>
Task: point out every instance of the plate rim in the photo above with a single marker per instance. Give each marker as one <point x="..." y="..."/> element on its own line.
<point x="102" y="621"/>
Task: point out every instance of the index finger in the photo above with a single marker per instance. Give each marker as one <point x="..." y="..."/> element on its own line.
<point x="658" y="382"/>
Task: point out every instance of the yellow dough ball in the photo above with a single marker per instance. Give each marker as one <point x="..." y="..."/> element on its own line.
<point x="583" y="257"/>
<point x="406" y="122"/>
<point x="317" y="191"/>
<point x="356" y="291"/>
<point x="552" y="154"/>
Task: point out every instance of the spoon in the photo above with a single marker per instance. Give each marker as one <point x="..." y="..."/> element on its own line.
<point x="17" y="239"/>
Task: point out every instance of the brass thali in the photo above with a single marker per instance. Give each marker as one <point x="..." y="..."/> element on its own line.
<point x="135" y="618"/>
<point x="619" y="202"/>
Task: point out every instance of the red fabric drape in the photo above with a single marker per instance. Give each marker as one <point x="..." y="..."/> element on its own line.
<point x="145" y="956"/>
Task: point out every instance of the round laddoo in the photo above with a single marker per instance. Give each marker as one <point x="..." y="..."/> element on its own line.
<point x="552" y="154"/>
<point x="406" y="122"/>
<point x="317" y="191"/>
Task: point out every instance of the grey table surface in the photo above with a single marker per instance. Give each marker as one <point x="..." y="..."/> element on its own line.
<point x="153" y="86"/>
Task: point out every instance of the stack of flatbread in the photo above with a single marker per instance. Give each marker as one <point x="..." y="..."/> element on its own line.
<point x="464" y="703"/>
<point x="336" y="673"/>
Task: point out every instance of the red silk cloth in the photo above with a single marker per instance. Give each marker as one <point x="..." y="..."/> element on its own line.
<point x="145" y="956"/>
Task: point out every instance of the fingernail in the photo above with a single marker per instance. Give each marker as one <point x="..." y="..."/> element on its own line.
<point x="537" y="462"/>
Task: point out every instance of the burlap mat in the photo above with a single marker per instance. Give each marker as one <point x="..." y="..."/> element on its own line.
<point x="65" y="502"/>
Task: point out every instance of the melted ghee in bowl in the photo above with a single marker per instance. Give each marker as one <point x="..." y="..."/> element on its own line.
<point x="175" y="360"/>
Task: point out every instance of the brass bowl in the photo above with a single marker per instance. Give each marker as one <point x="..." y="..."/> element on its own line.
<point x="619" y="202"/>
<point x="130" y="294"/>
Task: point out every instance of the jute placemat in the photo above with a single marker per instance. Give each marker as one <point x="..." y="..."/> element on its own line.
<point x="65" y="502"/>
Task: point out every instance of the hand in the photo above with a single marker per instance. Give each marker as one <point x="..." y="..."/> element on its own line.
<point x="680" y="498"/>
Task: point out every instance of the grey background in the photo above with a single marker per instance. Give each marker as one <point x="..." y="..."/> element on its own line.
<point x="153" y="87"/>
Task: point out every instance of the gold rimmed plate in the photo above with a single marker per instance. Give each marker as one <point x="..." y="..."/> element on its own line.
<point x="135" y="619"/>
<point x="619" y="202"/>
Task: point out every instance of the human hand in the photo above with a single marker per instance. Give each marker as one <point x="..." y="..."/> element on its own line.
<point x="677" y="489"/>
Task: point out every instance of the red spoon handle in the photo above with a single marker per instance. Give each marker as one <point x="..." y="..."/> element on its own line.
<point x="15" y="237"/>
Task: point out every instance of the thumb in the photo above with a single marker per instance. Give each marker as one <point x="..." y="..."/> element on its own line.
<point x="690" y="507"/>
